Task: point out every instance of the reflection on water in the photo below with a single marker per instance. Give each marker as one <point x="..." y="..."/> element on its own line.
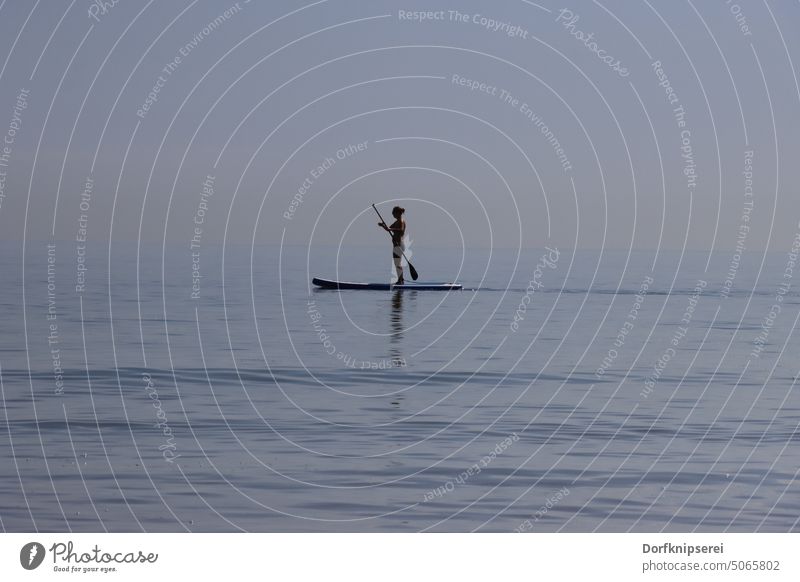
<point x="396" y="317"/>
<point x="396" y="326"/>
<point x="396" y="335"/>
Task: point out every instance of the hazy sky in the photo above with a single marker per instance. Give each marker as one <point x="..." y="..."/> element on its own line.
<point x="571" y="140"/>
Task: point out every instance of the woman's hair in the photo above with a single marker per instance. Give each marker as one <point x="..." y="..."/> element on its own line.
<point x="397" y="211"/>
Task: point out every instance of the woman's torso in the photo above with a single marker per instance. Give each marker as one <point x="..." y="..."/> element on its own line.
<point x="398" y="231"/>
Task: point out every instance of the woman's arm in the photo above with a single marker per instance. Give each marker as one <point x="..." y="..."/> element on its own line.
<point x="397" y="227"/>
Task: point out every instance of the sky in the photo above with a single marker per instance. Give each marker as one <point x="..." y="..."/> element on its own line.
<point x="654" y="124"/>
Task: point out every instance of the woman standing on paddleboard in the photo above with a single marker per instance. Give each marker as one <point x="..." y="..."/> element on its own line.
<point x="397" y="230"/>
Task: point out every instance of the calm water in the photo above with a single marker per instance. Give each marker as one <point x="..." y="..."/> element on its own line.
<point x="264" y="405"/>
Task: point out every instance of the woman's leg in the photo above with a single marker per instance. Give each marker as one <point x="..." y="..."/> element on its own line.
<point x="397" y="256"/>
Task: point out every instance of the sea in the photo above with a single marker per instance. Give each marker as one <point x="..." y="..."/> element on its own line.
<point x="151" y="387"/>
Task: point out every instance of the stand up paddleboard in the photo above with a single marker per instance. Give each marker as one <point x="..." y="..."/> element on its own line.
<point x="326" y="284"/>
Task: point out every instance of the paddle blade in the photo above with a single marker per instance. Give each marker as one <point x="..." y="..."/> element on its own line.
<point x="413" y="271"/>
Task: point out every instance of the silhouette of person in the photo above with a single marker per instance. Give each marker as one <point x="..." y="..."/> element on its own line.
<point x="397" y="230"/>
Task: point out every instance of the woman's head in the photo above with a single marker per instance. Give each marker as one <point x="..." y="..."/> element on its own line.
<point x="397" y="212"/>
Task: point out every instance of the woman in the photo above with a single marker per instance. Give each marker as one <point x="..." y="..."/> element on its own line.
<point x="397" y="230"/>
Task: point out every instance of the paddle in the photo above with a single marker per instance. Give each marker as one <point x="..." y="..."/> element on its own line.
<point x="411" y="269"/>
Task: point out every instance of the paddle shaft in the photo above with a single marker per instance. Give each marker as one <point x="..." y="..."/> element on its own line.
<point x="411" y="269"/>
